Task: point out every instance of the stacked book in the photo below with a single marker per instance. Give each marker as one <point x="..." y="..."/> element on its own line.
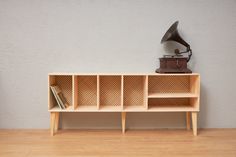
<point x="61" y="100"/>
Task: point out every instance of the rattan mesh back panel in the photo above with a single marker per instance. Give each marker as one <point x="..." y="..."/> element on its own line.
<point x="110" y="91"/>
<point x="133" y="90"/>
<point x="169" y="84"/>
<point x="173" y="102"/>
<point x="65" y="83"/>
<point x="87" y="90"/>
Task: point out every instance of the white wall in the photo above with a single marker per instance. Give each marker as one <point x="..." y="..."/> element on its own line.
<point x="42" y="36"/>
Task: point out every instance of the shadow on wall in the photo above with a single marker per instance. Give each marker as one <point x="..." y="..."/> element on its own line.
<point x="169" y="49"/>
<point x="204" y="108"/>
<point x="113" y="120"/>
<point x="170" y="46"/>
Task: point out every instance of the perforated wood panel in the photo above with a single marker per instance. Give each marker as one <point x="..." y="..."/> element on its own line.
<point x="87" y="90"/>
<point x="65" y="83"/>
<point x="172" y="102"/>
<point x="134" y="90"/>
<point x="104" y="92"/>
<point x="169" y="84"/>
<point x="110" y="91"/>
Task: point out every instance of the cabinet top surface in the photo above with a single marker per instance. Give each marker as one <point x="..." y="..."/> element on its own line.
<point x="119" y="74"/>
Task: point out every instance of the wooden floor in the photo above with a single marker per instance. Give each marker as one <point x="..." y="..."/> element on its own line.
<point x="76" y="143"/>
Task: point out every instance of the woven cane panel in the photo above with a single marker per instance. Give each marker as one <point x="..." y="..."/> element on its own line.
<point x="110" y="90"/>
<point x="168" y="84"/>
<point x="173" y="102"/>
<point x="133" y="90"/>
<point x="65" y="83"/>
<point x="87" y="91"/>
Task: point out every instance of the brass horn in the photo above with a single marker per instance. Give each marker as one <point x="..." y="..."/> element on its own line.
<point x="172" y="34"/>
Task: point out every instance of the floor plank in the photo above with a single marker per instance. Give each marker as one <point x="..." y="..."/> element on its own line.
<point x="93" y="143"/>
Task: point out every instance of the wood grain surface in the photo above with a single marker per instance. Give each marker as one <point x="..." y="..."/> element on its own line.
<point x="135" y="143"/>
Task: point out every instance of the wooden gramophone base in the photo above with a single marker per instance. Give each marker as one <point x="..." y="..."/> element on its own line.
<point x="173" y="65"/>
<point x="164" y="70"/>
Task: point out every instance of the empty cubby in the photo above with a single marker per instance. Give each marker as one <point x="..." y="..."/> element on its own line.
<point x="86" y="92"/>
<point x="110" y="92"/>
<point x="134" y="92"/>
<point x="173" y="104"/>
<point x="173" y="84"/>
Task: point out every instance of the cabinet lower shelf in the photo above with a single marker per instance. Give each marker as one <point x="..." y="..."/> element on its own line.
<point x="127" y="109"/>
<point x="172" y="95"/>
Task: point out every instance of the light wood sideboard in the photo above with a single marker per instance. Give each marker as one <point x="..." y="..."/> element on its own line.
<point x="126" y="93"/>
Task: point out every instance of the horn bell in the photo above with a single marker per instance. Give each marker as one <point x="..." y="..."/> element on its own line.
<point x="172" y="34"/>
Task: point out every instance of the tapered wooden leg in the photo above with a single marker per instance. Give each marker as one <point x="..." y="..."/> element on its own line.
<point x="123" y="118"/>
<point x="52" y="125"/>
<point x="194" y="123"/>
<point x="188" y="120"/>
<point x="57" y="121"/>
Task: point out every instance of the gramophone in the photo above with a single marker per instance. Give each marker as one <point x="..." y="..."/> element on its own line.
<point x="175" y="63"/>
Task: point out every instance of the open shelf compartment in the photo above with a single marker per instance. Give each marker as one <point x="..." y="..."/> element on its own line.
<point x="170" y="86"/>
<point x="110" y="92"/>
<point x="134" y="92"/>
<point x="173" y="104"/>
<point x="86" y="94"/>
<point x="64" y="82"/>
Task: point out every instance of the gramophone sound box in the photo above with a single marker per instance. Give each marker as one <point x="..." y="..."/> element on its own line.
<point x="173" y="65"/>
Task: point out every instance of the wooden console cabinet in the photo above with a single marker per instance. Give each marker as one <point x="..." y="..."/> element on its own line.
<point x="126" y="93"/>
